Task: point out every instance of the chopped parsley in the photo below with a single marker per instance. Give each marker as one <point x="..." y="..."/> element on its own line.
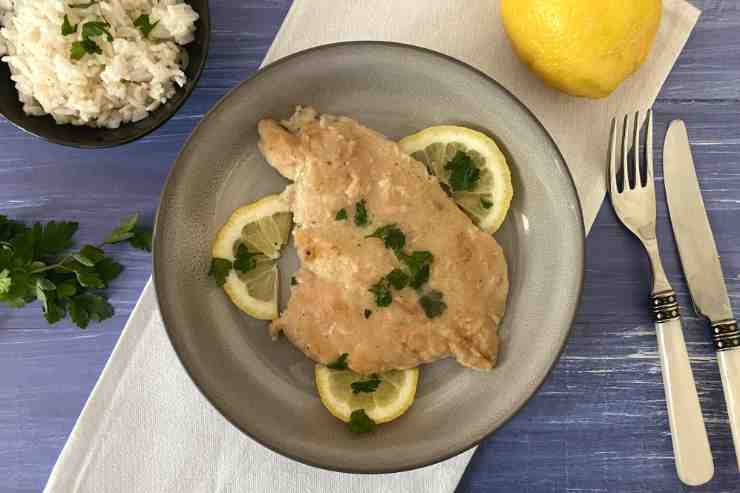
<point x="398" y="279"/>
<point x="81" y="48"/>
<point x="220" y="268"/>
<point x="393" y="238"/>
<point x="360" y="422"/>
<point x="432" y="303"/>
<point x="94" y="29"/>
<point x="382" y="292"/>
<point x="341" y="215"/>
<point x="245" y="260"/>
<point x="464" y="175"/>
<point x="368" y="313"/>
<point x="418" y="264"/>
<point x="340" y="363"/>
<point x="87" y="45"/>
<point x="486" y="204"/>
<point x="67" y="27"/>
<point x="367" y="386"/>
<point x="361" y="216"/>
<point x="144" y="25"/>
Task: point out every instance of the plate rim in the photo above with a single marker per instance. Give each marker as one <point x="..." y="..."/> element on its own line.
<point x="581" y="241"/>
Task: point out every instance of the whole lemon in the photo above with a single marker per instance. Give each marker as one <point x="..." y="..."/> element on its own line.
<point x="582" y="47"/>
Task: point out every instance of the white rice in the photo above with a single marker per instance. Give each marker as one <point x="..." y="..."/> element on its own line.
<point x="133" y="76"/>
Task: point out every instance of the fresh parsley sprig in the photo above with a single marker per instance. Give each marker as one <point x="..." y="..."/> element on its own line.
<point x="36" y="264"/>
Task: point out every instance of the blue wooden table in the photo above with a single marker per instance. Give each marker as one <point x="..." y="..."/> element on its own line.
<point x="598" y="424"/>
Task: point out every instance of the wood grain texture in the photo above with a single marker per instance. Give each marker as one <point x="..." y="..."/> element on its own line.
<point x="599" y="423"/>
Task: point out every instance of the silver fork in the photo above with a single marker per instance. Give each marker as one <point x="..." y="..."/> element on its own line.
<point x="632" y="194"/>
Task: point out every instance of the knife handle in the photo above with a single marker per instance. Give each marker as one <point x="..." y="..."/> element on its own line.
<point x="727" y="341"/>
<point x="693" y="457"/>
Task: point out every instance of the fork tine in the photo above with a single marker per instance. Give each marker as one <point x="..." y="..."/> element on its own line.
<point x="613" y="159"/>
<point x="636" y="151"/>
<point x="626" y="174"/>
<point x="649" y="148"/>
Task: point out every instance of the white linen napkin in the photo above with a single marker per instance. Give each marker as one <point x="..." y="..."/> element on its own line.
<point x="146" y="427"/>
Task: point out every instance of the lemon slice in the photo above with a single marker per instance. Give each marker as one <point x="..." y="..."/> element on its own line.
<point x="392" y="397"/>
<point x="263" y="227"/>
<point x="488" y="199"/>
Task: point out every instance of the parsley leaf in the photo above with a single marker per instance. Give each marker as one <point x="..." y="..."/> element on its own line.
<point x="81" y="48"/>
<point x="67" y="289"/>
<point x="341" y="215"/>
<point x="67" y="27"/>
<point x="93" y="29"/>
<point x="9" y="229"/>
<point x="361" y="216"/>
<point x="129" y="230"/>
<point x="124" y="231"/>
<point x="220" y="268"/>
<point x="360" y="422"/>
<point x="486" y="204"/>
<point x="398" y="279"/>
<point x="245" y="260"/>
<point x="144" y="25"/>
<point x="142" y="239"/>
<point x="382" y="292"/>
<point x="55" y="237"/>
<point x="5" y="281"/>
<point x="366" y="386"/>
<point x="89" y="255"/>
<point x="21" y="289"/>
<point x="432" y="303"/>
<point x="340" y="363"/>
<point x="393" y="238"/>
<point x="368" y="313"/>
<point x="107" y="269"/>
<point x="88" y="306"/>
<point x="421" y="277"/>
<point x="86" y="276"/>
<point x="53" y="310"/>
<point x="78" y="314"/>
<point x="464" y="175"/>
<point x="418" y="264"/>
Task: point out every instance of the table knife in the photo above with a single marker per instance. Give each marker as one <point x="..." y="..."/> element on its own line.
<point x="701" y="265"/>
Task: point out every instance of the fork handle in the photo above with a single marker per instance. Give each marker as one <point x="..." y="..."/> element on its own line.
<point x="693" y="457"/>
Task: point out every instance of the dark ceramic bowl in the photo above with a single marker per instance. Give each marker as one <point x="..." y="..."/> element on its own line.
<point x="88" y="137"/>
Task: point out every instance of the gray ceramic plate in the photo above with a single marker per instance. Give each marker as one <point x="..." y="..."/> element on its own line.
<point x="265" y="388"/>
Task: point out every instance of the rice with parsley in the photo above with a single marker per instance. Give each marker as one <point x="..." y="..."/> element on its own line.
<point x="99" y="63"/>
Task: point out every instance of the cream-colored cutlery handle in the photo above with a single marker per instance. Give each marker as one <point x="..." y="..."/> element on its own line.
<point x="694" y="462"/>
<point x="729" y="369"/>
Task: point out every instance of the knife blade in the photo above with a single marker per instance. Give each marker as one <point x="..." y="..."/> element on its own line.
<point x="691" y="228"/>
